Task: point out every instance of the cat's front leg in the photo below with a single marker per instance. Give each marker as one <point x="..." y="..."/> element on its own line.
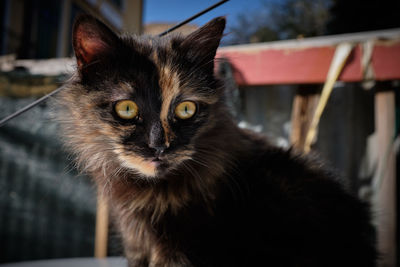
<point x="161" y="257"/>
<point x="183" y="262"/>
<point x="137" y="259"/>
<point x="174" y="261"/>
<point x="137" y="262"/>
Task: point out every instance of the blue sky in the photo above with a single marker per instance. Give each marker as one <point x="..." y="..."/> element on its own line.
<point x="174" y="11"/>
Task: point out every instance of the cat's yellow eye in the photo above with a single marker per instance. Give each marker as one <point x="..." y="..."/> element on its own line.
<point x="126" y="109"/>
<point x="185" y="110"/>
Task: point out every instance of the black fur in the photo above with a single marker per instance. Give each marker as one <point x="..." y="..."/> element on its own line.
<point x="234" y="200"/>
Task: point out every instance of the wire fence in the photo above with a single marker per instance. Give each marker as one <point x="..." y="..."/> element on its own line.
<point x="47" y="210"/>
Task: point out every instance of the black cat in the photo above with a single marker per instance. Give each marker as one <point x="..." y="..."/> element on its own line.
<point x="146" y="119"/>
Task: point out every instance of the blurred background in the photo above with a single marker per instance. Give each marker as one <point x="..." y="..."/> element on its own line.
<point x="275" y="59"/>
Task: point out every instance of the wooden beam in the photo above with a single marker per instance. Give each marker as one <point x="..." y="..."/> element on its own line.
<point x="63" y="32"/>
<point x="257" y="65"/>
<point x="100" y="248"/>
<point x="303" y="109"/>
<point x="132" y="16"/>
<point x="385" y="177"/>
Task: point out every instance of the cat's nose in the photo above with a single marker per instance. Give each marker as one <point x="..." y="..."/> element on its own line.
<point x="156" y="139"/>
<point x="159" y="151"/>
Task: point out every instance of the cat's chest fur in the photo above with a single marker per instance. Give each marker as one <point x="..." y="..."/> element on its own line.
<point x="272" y="209"/>
<point x="147" y="119"/>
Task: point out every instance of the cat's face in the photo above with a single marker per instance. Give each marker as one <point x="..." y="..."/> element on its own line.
<point x="144" y="101"/>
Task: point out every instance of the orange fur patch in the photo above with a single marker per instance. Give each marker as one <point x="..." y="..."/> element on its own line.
<point x="145" y="167"/>
<point x="135" y="162"/>
<point x="169" y="83"/>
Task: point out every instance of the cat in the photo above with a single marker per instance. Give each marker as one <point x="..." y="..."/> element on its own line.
<point x="146" y="118"/>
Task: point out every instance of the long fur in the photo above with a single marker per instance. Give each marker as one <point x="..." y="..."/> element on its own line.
<point x="226" y="197"/>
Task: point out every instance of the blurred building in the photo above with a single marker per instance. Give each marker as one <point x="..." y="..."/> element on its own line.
<point x="156" y="28"/>
<point x="42" y="28"/>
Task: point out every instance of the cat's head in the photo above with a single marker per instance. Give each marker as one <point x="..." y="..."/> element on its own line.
<point x="145" y="102"/>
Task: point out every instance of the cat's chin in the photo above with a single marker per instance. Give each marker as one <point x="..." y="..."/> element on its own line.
<point x="146" y="168"/>
<point x="153" y="168"/>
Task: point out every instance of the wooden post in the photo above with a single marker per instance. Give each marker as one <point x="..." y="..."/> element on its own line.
<point x="132" y="16"/>
<point x="385" y="177"/>
<point x="100" y="246"/>
<point x="63" y="32"/>
<point x="304" y="104"/>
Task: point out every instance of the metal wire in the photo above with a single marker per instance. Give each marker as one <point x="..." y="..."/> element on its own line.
<point x="43" y="98"/>
<point x="192" y="18"/>
<point x="29" y="106"/>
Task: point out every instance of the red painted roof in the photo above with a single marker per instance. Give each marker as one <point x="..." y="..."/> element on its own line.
<point x="302" y="64"/>
<point x="386" y="61"/>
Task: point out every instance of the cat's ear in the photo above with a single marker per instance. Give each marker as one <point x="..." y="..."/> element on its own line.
<point x="202" y="44"/>
<point x="91" y="39"/>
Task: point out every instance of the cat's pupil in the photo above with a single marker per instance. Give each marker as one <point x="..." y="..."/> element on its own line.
<point x="186" y="109"/>
<point x="127" y="109"/>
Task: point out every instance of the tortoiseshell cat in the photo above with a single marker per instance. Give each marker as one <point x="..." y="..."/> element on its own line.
<point x="146" y="119"/>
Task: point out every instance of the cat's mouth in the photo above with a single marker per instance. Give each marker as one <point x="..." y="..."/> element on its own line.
<point x="149" y="167"/>
<point x="159" y="163"/>
<point x="153" y="167"/>
<point x="156" y="159"/>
